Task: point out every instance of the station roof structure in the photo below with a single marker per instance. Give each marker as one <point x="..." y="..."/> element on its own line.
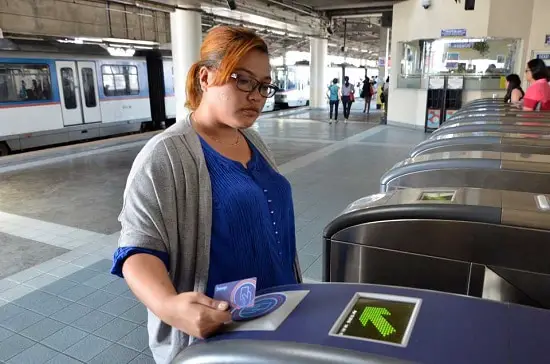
<point x="351" y="26"/>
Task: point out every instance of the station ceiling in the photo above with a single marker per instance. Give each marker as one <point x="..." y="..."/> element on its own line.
<point x="287" y="24"/>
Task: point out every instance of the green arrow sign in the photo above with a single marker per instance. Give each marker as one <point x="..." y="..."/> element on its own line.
<point x="376" y="316"/>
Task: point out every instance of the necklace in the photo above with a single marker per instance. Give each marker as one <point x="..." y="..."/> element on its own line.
<point x="232" y="144"/>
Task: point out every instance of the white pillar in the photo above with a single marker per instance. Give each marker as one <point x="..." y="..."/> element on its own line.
<point x="186" y="36"/>
<point x="318" y="67"/>
<point x="384" y="53"/>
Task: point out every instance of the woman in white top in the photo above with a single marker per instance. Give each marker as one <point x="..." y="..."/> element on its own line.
<point x="347" y="94"/>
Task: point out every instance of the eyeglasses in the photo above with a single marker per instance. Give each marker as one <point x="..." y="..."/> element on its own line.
<point x="247" y="84"/>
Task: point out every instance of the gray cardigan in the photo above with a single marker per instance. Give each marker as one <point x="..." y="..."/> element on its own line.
<point x="168" y="207"/>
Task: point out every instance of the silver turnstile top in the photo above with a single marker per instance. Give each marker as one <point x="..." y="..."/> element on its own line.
<point x="274" y="352"/>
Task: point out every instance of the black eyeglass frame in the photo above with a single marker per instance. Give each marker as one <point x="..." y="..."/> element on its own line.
<point x="257" y="85"/>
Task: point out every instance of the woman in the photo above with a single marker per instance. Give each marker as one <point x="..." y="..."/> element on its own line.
<point x="368" y="91"/>
<point x="347" y="94"/>
<point x="537" y="96"/>
<point x="334" y="100"/>
<point x="514" y="92"/>
<point x="204" y="203"/>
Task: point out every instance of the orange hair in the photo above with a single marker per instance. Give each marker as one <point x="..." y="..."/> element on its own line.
<point x="222" y="49"/>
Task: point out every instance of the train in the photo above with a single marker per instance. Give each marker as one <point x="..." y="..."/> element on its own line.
<point x="56" y="96"/>
<point x="294" y="85"/>
<point x="52" y="98"/>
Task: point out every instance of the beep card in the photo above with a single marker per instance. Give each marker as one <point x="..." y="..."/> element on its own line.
<point x="238" y="294"/>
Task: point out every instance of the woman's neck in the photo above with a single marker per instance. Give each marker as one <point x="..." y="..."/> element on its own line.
<point x="206" y="123"/>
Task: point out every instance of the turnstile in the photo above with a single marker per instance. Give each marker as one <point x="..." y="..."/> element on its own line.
<point x="504" y="117"/>
<point x="372" y="324"/>
<point x="485" y="141"/>
<point x="532" y="127"/>
<point x="478" y="169"/>
<point x="484" y="243"/>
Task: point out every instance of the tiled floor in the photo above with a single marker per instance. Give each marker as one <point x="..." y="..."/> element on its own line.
<point x="58" y="302"/>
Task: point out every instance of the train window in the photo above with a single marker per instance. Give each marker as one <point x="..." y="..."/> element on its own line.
<point x="24" y="82"/>
<point x="120" y="80"/>
<point x="67" y="84"/>
<point x="88" y="87"/>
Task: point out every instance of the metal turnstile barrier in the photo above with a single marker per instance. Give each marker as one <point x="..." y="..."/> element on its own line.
<point x="476" y="169"/>
<point x="478" y="242"/>
<point x="484" y="141"/>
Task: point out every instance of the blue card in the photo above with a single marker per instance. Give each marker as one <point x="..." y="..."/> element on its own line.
<point x="238" y="294"/>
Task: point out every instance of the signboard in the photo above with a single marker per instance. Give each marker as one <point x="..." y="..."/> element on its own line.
<point x="547" y="39"/>
<point x="381" y="62"/>
<point x="449" y="113"/>
<point x="453" y="32"/>
<point x="436" y="83"/>
<point x="543" y="55"/>
<point x="453" y="56"/>
<point x="461" y="45"/>
<point x="386" y="319"/>
<point x="455" y="83"/>
<point x="433" y="120"/>
<point x="451" y="65"/>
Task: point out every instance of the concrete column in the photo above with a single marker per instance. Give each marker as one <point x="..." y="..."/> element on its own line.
<point x="384" y="53"/>
<point x="317" y="69"/>
<point x="186" y="34"/>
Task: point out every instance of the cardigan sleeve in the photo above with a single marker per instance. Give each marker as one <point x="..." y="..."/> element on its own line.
<point x="149" y="204"/>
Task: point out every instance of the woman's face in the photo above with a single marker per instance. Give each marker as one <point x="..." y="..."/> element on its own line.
<point x="528" y="74"/>
<point x="233" y="106"/>
<point x="507" y="84"/>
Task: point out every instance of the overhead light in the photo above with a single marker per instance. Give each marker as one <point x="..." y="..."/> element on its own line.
<point x="121" y="52"/>
<point x="93" y="40"/>
<point x="232" y="5"/>
<point x="130" y="41"/>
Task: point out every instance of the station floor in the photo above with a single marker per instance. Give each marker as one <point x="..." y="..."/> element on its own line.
<point x="59" y="229"/>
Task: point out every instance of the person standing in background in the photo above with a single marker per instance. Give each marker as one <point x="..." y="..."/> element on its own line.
<point x="334" y="100"/>
<point x="368" y="91"/>
<point x="537" y="97"/>
<point x="514" y="92"/>
<point x="347" y="96"/>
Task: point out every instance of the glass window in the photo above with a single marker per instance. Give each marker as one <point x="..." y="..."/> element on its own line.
<point x="67" y="84"/>
<point x="88" y="87"/>
<point x="468" y="56"/>
<point x="120" y="80"/>
<point x="24" y="82"/>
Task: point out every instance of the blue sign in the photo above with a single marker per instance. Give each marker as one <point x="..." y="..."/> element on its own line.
<point x="453" y="32"/>
<point x="547" y="41"/>
<point x="543" y="55"/>
<point x="460" y="45"/>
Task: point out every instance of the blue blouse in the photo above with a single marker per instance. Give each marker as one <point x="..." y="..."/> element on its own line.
<point x="253" y="232"/>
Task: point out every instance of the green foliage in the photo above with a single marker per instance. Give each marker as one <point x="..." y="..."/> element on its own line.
<point x="481" y="47"/>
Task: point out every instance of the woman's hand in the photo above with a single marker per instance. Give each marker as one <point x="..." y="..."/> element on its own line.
<point x="195" y="314"/>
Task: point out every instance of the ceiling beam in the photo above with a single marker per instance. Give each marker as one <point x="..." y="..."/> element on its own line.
<point x="362" y="5"/>
<point x="358" y="13"/>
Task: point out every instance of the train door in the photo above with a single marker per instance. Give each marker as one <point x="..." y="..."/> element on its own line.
<point x="78" y="91"/>
<point x="67" y="78"/>
<point x="89" y="92"/>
